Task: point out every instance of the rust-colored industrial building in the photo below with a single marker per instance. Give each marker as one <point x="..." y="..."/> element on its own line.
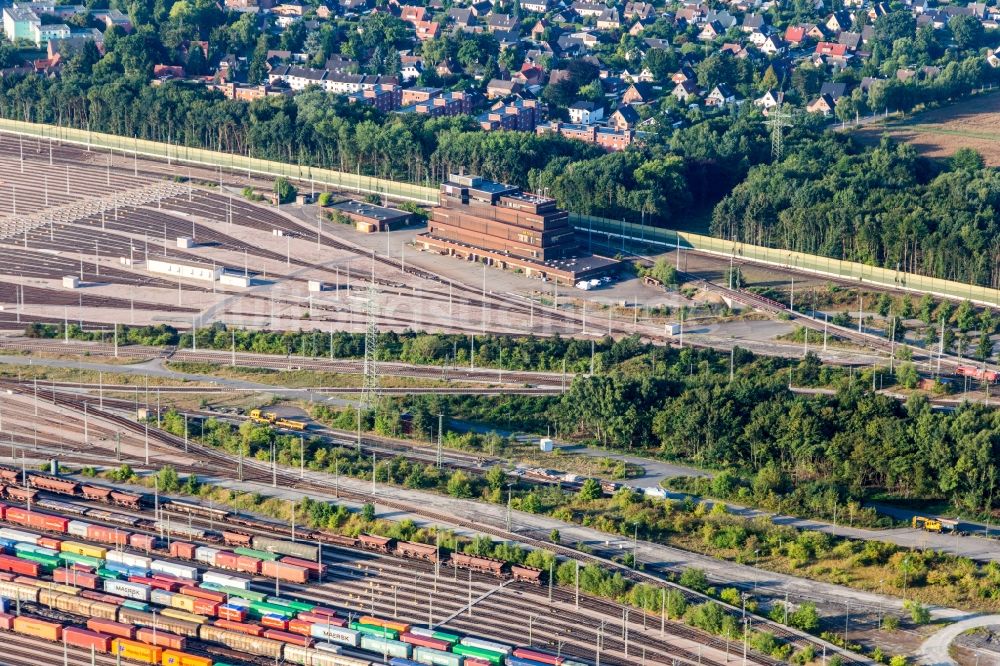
<point x="480" y="219"/>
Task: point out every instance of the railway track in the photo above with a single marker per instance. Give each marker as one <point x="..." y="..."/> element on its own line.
<point x="224" y="465"/>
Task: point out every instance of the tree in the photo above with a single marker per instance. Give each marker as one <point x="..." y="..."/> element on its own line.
<point x="967" y="159"/>
<point x="590" y="490"/>
<point x="919" y="614"/>
<point x="284" y="190"/>
<point x="496" y="477"/>
<point x="895" y="25"/>
<point x="694" y="578"/>
<point x="368" y="512"/>
<point x="554" y="536"/>
<point x="967" y="31"/>
<point x="805" y="618"/>
<point x="984" y="348"/>
<point x="196" y="61"/>
<point x="459" y="485"/>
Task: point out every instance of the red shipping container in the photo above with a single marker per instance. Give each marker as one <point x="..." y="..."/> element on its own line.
<point x="3" y="510"/>
<point x="470" y="661"/>
<point x="104" y="534"/>
<point x="274" y="622"/>
<point x="110" y="627"/>
<point x="286" y="637"/>
<point x="154" y="582"/>
<point x="42" y="521"/>
<point x="182" y="550"/>
<point x="247" y="564"/>
<point x="142" y="542"/>
<point x="315" y="567"/>
<point x="6" y="577"/>
<point x="211" y="595"/>
<point x="319" y="610"/>
<point x="49" y="542"/>
<point x="100" y="596"/>
<point x="425" y="641"/>
<point x="286" y="572"/>
<point x="250" y="629"/>
<point x="226" y="560"/>
<point x="6" y="621"/>
<point x="75" y="578"/>
<point x="205" y="607"/>
<point x="535" y="655"/>
<point x="19" y="566"/>
<point x="234" y="614"/>
<point x="160" y="638"/>
<point x="82" y="567"/>
<point x="174" y="580"/>
<point x="87" y="639"/>
<point x="325" y="620"/>
<point x="300" y="627"/>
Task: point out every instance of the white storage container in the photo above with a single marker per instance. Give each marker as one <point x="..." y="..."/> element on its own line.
<point x="18" y="535"/>
<point x="341" y="635"/>
<point x="160" y="597"/>
<point x="77" y="528"/>
<point x="128" y="559"/>
<point x="206" y="555"/>
<point x="225" y="580"/>
<point x="179" y="570"/>
<point x="121" y="588"/>
<point x="487" y="645"/>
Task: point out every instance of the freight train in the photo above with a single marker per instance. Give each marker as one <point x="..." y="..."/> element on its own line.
<point x="305" y="552"/>
<point x="989" y="376"/>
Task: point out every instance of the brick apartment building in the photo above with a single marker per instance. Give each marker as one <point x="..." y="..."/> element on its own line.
<point x="499" y="224"/>
<point x="432" y="102"/>
<point x="605" y="137"/>
<point x="517" y="114"/>
<point x="384" y="97"/>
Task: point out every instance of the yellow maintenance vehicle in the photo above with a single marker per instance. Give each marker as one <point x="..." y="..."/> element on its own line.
<point x="939" y="525"/>
<point x="270" y="418"/>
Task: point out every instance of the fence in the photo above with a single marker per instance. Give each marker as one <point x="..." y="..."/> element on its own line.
<point x="628" y="232"/>
<point x="234" y="163"/>
<point x="625" y="231"/>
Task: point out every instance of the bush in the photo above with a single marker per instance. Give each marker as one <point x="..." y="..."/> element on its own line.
<point x="284" y="190"/>
<point x="890" y="623"/>
<point x="324" y="199"/>
<point x="694" y="579"/>
<point x="919" y="613"/>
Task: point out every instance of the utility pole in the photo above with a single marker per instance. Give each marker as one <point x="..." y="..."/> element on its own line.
<point x="440" y="429"/>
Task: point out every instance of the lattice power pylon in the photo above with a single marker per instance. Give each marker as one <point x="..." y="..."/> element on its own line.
<point x="370" y="389"/>
<point x="778" y="119"/>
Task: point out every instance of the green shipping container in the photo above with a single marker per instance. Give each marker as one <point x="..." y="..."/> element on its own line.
<point x="109" y="574"/>
<point x="136" y="605"/>
<point x="446" y="637"/>
<point x="259" y="554"/>
<point x="45" y="560"/>
<point x="385" y="646"/>
<point x="488" y="655"/>
<point x="295" y="605"/>
<point x="371" y="630"/>
<point x="259" y="609"/>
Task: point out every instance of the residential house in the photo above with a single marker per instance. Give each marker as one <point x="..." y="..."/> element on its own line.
<point x="586" y="113"/>
<point x="823" y="104"/>
<point x="773" y="45"/>
<point x="411" y="67"/>
<point x="499" y="88"/>
<point x="834" y="90"/>
<point x="686" y="89"/>
<point x="768" y="101"/>
<point x="536" y="6"/>
<point x="723" y="18"/>
<point x="711" y="31"/>
<point x="461" y="16"/>
<point x="608" y="20"/>
<point x="639" y="10"/>
<point x="637" y="28"/>
<point x="588" y="9"/>
<point x="639" y="93"/>
<point x="500" y="22"/>
<point x="624" y="118"/>
<point x="426" y="30"/>
<point x="994" y="57"/>
<point x="852" y="40"/>
<point x="538" y="30"/>
<point x="753" y="23"/>
<point x="831" y="49"/>
<point x="412" y="14"/>
<point x="795" y="34"/>
<point x="838" y="22"/>
<point x="721" y="95"/>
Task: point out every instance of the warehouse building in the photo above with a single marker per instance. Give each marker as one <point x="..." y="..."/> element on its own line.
<point x="185" y="269"/>
<point x="369" y="218"/>
<point x="482" y="220"/>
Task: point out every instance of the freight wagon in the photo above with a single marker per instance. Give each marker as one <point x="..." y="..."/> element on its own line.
<point x="281" y="547"/>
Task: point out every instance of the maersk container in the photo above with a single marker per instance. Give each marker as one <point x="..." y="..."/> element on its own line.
<point x="433" y="657"/>
<point x="225" y="580"/>
<point x="129" y="560"/>
<point x="342" y="635"/>
<point x="492" y="646"/>
<point x="77" y="528"/>
<point x="121" y="588"/>
<point x="386" y="646"/>
<point x="179" y="570"/>
<point x="19" y="536"/>
<point x="206" y="555"/>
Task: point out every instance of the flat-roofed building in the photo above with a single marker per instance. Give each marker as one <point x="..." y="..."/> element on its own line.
<point x="184" y="269"/>
<point x="369" y="218"/>
<point x="484" y="220"/>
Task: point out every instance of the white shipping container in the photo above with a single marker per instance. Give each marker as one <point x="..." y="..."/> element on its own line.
<point x="487" y="645"/>
<point x="206" y="555"/>
<point x="122" y="588"/>
<point x="673" y="329"/>
<point x="128" y="559"/>
<point x="226" y="580"/>
<point x="77" y="528"/>
<point x="18" y="535"/>
<point x="179" y="570"/>
<point x="160" y="597"/>
<point x="341" y="635"/>
<point x="324" y="647"/>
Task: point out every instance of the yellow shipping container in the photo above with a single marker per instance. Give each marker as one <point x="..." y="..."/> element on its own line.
<point x="148" y="654"/>
<point x="182" y="602"/>
<point x="175" y="658"/>
<point x="58" y="587"/>
<point x="183" y="615"/>
<point x="83" y="549"/>
<point x="50" y="631"/>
